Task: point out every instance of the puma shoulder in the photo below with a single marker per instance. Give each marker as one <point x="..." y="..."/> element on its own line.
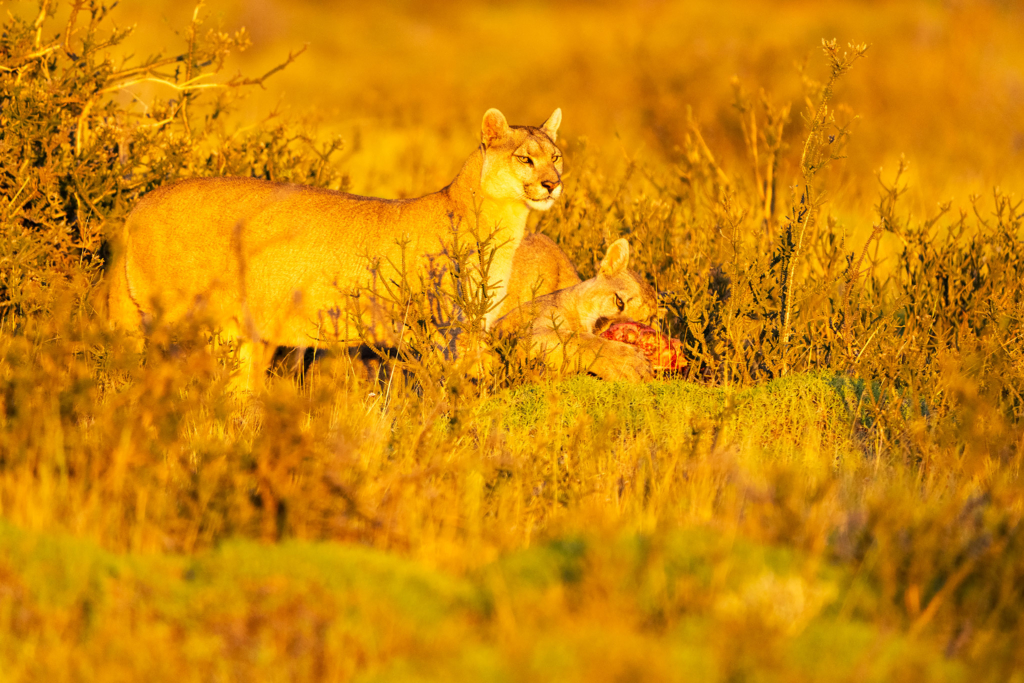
<point x="539" y="267"/>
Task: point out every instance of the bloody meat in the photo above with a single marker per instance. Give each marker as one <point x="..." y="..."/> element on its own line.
<point x="663" y="352"/>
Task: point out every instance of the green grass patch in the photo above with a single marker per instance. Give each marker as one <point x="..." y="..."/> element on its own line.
<point x="800" y="413"/>
<point x="580" y="608"/>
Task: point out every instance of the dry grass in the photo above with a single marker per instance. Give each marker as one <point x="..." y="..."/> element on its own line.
<point x="834" y="493"/>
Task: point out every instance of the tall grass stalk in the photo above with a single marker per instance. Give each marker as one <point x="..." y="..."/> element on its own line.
<point x="823" y="145"/>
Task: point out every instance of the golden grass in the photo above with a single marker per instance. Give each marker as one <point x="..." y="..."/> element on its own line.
<point x="834" y="493"/>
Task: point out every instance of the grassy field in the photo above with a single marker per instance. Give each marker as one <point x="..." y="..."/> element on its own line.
<point x="833" y="492"/>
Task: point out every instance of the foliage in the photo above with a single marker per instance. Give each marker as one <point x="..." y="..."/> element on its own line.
<point x="594" y="609"/>
<point x="74" y="158"/>
<point x="833" y="492"/>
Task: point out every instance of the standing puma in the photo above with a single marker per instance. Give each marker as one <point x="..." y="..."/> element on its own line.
<point x="563" y="326"/>
<point x="272" y="264"/>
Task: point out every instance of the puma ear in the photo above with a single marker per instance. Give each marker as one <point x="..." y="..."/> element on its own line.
<point x="551" y="125"/>
<point x="494" y="127"/>
<point x="617" y="258"/>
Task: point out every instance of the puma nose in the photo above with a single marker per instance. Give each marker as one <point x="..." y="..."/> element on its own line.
<point x="550" y="185"/>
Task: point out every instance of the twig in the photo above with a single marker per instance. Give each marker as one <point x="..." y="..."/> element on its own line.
<point x="69" y="29"/>
<point x="80" y="126"/>
<point x="705" y="149"/>
<point x="38" y="25"/>
<point x="292" y="56"/>
<point x="188" y="66"/>
<point x="188" y="85"/>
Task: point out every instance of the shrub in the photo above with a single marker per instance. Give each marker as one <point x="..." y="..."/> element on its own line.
<point x="76" y="153"/>
<point x="859" y="412"/>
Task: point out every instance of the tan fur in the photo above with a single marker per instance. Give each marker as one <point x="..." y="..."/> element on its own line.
<point x="564" y="325"/>
<point x="539" y="267"/>
<point x="272" y="264"/>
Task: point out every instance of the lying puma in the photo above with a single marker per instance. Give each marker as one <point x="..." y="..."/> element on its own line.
<point x="564" y="325"/>
<point x="272" y="264"/>
<point x="539" y="267"/>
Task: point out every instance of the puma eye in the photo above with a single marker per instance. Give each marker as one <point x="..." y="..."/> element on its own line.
<point x="526" y="160"/>
<point x="556" y="158"/>
<point x="619" y="303"/>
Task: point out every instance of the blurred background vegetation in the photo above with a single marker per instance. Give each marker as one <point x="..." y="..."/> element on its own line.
<point x="409" y="80"/>
<point x="833" y="493"/>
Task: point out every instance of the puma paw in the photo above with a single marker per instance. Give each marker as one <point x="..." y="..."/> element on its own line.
<point x="618" y="361"/>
